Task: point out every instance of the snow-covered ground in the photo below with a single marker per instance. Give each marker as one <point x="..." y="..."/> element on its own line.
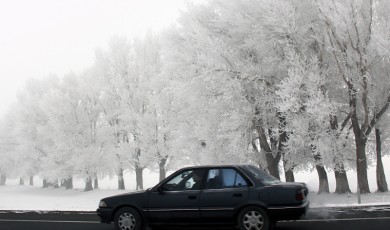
<point x="15" y="197"/>
<point x="26" y="197"/>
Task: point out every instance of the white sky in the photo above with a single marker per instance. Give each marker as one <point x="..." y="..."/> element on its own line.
<point x="43" y="37"/>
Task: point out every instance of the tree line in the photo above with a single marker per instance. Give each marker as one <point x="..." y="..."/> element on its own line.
<point x="286" y="85"/>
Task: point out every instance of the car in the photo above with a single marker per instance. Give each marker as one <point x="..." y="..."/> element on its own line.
<point x="240" y="195"/>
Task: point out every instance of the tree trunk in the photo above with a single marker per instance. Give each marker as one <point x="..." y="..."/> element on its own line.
<point x="88" y="185"/>
<point x="161" y="166"/>
<point x="322" y="176"/>
<point x="380" y="172"/>
<point x="288" y="171"/>
<point x="289" y="174"/>
<point x="67" y="183"/>
<point x="21" y="181"/>
<point x="3" y="179"/>
<point x="360" y="142"/>
<point x="342" y="185"/>
<point x="45" y="183"/>
<point x="361" y="165"/>
<point x="31" y="180"/>
<point x="273" y="165"/>
<point x="96" y="183"/>
<point x="121" y="181"/>
<point x="323" y="180"/>
<point x="139" y="178"/>
<point x="272" y="162"/>
<point x="55" y="184"/>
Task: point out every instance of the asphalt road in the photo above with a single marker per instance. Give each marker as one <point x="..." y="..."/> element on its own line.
<point x="375" y="217"/>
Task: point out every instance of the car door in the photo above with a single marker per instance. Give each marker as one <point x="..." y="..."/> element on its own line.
<point x="177" y="200"/>
<point x="225" y="189"/>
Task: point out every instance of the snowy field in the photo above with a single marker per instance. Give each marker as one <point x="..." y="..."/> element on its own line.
<point x="26" y="197"/>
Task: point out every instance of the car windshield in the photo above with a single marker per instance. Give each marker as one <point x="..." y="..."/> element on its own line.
<point x="261" y="175"/>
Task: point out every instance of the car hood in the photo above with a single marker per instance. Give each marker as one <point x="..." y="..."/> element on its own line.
<point x="136" y="198"/>
<point x="135" y="193"/>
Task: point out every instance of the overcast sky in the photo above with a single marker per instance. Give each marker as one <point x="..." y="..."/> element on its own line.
<point x="43" y="37"/>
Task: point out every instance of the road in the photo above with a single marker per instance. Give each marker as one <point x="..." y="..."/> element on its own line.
<point x="364" y="224"/>
<point x="318" y="219"/>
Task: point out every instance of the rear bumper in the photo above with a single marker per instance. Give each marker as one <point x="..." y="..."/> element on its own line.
<point x="105" y="215"/>
<point x="289" y="212"/>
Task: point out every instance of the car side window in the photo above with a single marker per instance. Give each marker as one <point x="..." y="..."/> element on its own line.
<point x="187" y="180"/>
<point x="240" y="181"/>
<point x="224" y="178"/>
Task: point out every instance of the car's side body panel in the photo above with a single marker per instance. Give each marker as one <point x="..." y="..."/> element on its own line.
<point x="240" y="186"/>
<point x="219" y="205"/>
<point x="173" y="206"/>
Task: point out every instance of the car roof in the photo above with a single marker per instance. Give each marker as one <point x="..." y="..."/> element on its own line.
<point x="215" y="166"/>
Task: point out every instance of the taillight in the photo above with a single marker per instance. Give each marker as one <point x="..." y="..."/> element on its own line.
<point x="300" y="195"/>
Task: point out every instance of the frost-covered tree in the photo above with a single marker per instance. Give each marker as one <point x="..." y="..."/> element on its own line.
<point x="289" y="84"/>
<point x="214" y="113"/>
<point x="57" y="154"/>
<point x="285" y="30"/>
<point x="111" y="67"/>
<point x="295" y="33"/>
<point x="160" y="117"/>
<point x="72" y="129"/>
<point x="8" y="146"/>
<point x="380" y="172"/>
<point x="382" y="73"/>
<point x="232" y="55"/>
<point x="357" y="42"/>
<point x="308" y="110"/>
<point x="141" y="115"/>
<point x="127" y="70"/>
<point x="90" y="95"/>
<point x="29" y="118"/>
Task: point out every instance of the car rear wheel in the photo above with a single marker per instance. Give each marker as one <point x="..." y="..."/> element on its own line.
<point x="253" y="218"/>
<point x="127" y="219"/>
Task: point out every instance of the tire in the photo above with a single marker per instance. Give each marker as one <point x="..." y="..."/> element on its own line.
<point x="127" y="219"/>
<point x="253" y="218"/>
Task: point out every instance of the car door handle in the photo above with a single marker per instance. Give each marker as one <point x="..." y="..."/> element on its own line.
<point x="192" y="197"/>
<point x="237" y="194"/>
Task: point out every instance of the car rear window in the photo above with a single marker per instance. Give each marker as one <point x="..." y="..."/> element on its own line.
<point x="224" y="178"/>
<point x="261" y="175"/>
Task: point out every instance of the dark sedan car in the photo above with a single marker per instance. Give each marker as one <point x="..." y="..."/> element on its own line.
<point x="238" y="195"/>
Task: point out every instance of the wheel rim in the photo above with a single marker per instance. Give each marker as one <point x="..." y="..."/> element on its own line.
<point x="253" y="220"/>
<point x="126" y="221"/>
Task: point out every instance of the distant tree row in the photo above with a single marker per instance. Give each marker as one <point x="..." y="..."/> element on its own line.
<point x="286" y="85"/>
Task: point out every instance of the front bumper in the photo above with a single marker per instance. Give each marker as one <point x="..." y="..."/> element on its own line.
<point x="105" y="215"/>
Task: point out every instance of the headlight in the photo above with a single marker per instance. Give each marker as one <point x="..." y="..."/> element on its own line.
<point x="102" y="204"/>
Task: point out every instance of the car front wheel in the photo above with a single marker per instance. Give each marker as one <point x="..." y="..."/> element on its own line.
<point x="127" y="219"/>
<point x="253" y="218"/>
